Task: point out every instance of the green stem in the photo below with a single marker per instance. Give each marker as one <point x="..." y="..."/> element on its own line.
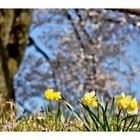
<point x="118" y="118"/>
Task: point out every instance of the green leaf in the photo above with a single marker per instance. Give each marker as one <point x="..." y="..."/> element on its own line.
<point x="128" y="116"/>
<point x="134" y="122"/>
<point x="118" y="120"/>
<point x="125" y="119"/>
<point x="125" y="122"/>
<point x="137" y="128"/>
<point x="112" y="109"/>
<point x="92" y="115"/>
<point x="71" y="108"/>
<point x="106" y="124"/>
<point x="89" y="123"/>
<point x="58" y="114"/>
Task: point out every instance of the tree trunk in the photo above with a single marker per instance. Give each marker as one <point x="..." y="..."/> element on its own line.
<point x="14" y="25"/>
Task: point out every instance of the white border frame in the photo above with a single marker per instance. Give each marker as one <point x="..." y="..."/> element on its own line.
<point x="70" y="135"/>
<point x="69" y="3"/>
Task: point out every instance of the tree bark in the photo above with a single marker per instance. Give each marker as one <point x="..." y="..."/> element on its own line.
<point x="129" y="11"/>
<point x="14" y="25"/>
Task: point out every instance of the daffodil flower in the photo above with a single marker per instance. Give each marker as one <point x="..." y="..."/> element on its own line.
<point x="90" y="99"/>
<point x="122" y="101"/>
<point x="132" y="108"/>
<point x="51" y="95"/>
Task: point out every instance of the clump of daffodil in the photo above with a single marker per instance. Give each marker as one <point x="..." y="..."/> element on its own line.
<point x="90" y="99"/>
<point x="122" y="101"/>
<point x="127" y="102"/>
<point x="132" y="107"/>
<point x="51" y="95"/>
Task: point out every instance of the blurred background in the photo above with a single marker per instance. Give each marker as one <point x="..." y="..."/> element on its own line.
<point x="70" y="50"/>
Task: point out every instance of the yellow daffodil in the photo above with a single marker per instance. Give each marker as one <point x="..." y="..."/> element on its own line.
<point x="90" y="99"/>
<point x="57" y="95"/>
<point x="51" y="95"/>
<point x="132" y="107"/>
<point x="122" y="101"/>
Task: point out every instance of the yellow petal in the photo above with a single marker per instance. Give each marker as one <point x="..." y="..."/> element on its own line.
<point x="121" y="100"/>
<point x="51" y="95"/>
<point x="128" y="99"/>
<point x="122" y="95"/>
<point x="133" y="105"/>
<point x="90" y="99"/>
<point x="92" y="93"/>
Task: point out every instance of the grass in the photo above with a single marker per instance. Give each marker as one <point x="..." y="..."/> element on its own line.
<point x="103" y="118"/>
<point x="44" y="120"/>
